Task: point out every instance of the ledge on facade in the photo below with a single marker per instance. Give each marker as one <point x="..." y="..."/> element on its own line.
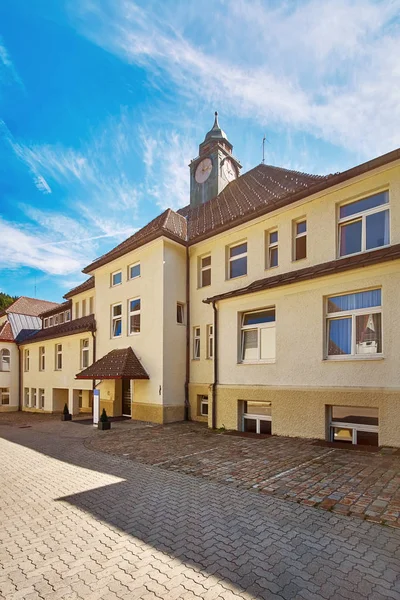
<point x="117" y="364"/>
<point x="329" y="268"/>
<point x="70" y="328"/>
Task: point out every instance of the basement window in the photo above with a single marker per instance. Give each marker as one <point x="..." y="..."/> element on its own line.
<point x="256" y="417"/>
<point x="354" y="425"/>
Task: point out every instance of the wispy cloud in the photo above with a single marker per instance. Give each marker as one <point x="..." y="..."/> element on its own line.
<point x="331" y="69"/>
<point x="7" y="68"/>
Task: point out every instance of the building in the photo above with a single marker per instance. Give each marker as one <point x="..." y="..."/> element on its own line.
<point x="268" y="304"/>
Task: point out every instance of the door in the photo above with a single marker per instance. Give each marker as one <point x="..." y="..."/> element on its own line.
<point x="126" y="398"/>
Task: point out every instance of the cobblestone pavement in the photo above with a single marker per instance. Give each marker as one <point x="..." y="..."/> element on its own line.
<point x="78" y="523"/>
<point x="358" y="483"/>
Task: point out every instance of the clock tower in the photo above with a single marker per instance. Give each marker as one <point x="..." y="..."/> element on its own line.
<point x="214" y="168"/>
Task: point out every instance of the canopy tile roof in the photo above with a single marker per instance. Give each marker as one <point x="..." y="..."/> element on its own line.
<point x="83" y="287"/>
<point x="6" y="334"/>
<point x="117" y="364"/>
<point x="29" y="306"/>
<point x="329" y="268"/>
<point x="70" y="328"/>
<point x="169" y="224"/>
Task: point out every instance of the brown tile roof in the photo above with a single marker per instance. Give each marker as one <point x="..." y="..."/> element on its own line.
<point x="30" y="306"/>
<point x="117" y="364"/>
<point x="169" y="224"/>
<point x="329" y="268"/>
<point x="57" y="309"/>
<point x="76" y="326"/>
<point x="261" y="190"/>
<point x="6" y="334"/>
<point x="83" y="287"/>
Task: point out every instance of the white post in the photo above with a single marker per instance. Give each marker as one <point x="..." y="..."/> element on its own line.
<point x="71" y="401"/>
<point x="96" y="407"/>
<point x="132" y="395"/>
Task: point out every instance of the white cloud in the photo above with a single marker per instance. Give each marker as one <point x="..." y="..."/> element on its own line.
<point x="331" y="69"/>
<point x="7" y="66"/>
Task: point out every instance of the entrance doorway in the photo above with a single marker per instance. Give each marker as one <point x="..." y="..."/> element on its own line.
<point x="126" y="398"/>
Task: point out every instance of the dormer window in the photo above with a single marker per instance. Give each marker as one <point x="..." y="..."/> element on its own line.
<point x="45" y="323"/>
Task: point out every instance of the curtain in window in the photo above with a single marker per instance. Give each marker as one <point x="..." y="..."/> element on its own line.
<point x="354" y="301"/>
<point x="339" y="336"/>
<point x="250" y="345"/>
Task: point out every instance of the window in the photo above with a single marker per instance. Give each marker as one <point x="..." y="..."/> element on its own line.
<point x="196" y="343"/>
<point x="91" y="305"/>
<point x="51" y="321"/>
<point x="26" y="361"/>
<point x="42" y="358"/>
<point x="84" y="353"/>
<point x="80" y="398"/>
<point x="76" y="310"/>
<point x="61" y="317"/>
<point x="116" y="278"/>
<point x="354" y="325"/>
<point x="256" y="417"/>
<point x="180" y="313"/>
<point x="46" y="323"/>
<point x="202" y="402"/>
<point x="5" y="359"/>
<point x="116" y="320"/>
<point x="272" y="249"/>
<point x="258" y="336"/>
<point x="33" y="397"/>
<point x="41" y="398"/>
<point x="4" y="395"/>
<point x="300" y="240"/>
<point x="26" y="396"/>
<point x="237" y="260"/>
<point x="83" y="308"/>
<point x="67" y="315"/>
<point x="210" y="341"/>
<point x="353" y="425"/>
<point x="55" y="320"/>
<point x="364" y="224"/>
<point x="134" y="316"/>
<point x="58" y="357"/>
<point x="134" y="271"/>
<point x="205" y="271"/>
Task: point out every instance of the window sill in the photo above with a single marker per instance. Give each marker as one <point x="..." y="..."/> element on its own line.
<point x="235" y="278"/>
<point x="132" y="278"/>
<point x="201" y="287"/>
<point x="352" y="358"/>
<point x="362" y="252"/>
<point x="116" y="285"/>
<point x="297" y="260"/>
<point x="132" y="334"/>
<point x="195" y="359"/>
<point x="271" y="268"/>
<point x="256" y="362"/>
<point x="182" y="324"/>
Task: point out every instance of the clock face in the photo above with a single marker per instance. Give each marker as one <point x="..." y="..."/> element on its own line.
<point x="203" y="170"/>
<point x="229" y="170"/>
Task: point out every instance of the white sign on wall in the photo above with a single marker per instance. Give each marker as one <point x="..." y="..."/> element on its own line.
<point x="96" y="406"/>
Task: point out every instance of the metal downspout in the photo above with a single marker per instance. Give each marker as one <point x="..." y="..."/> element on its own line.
<point x="215" y="383"/>
<point x="187" y="377"/>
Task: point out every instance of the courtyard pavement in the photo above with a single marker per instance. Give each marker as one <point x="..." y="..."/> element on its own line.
<point x="359" y="483"/>
<point x="80" y="523"/>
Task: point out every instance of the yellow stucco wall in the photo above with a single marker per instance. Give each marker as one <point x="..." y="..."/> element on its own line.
<point x="301" y="412"/>
<point x="196" y="390"/>
<point x="51" y="379"/>
<point x="81" y="301"/>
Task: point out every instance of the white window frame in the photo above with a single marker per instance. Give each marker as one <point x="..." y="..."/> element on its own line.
<point x="55" y="319"/>
<point x="258" y="327"/>
<point x="67" y="315"/>
<point x="76" y="310"/>
<point x="58" y="357"/>
<point x="354" y="427"/>
<point x="42" y="358"/>
<point x="119" y="272"/>
<point x="26" y="360"/>
<point x="272" y="246"/>
<point x="203" y="269"/>
<point x="41" y="396"/>
<point x="297" y="236"/>
<point x="84" y="307"/>
<point x="203" y="402"/>
<point x="51" y="321"/>
<point x="232" y="259"/>
<point x="132" y="313"/>
<point x="136" y="264"/>
<point x="257" y="419"/>
<point x="210" y="341"/>
<point x="181" y="306"/>
<point x="26" y="396"/>
<point x="115" y="318"/>
<point x="4" y="393"/>
<point x="5" y="360"/>
<point x="354" y="313"/>
<point x="361" y="216"/>
<point x="85" y="353"/>
<point x="91" y="305"/>
<point x="61" y="317"/>
<point x="45" y="323"/>
<point x="196" y="342"/>
<point x="33" y="397"/>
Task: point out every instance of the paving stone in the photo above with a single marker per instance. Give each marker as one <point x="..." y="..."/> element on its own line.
<point x="86" y="524"/>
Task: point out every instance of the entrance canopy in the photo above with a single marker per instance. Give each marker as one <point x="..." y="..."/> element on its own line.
<point x="117" y="364"/>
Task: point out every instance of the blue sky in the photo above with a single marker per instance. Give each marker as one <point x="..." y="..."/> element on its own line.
<point x="103" y="104"/>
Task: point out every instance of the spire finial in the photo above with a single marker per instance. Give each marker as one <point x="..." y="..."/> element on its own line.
<point x="216" y="124"/>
